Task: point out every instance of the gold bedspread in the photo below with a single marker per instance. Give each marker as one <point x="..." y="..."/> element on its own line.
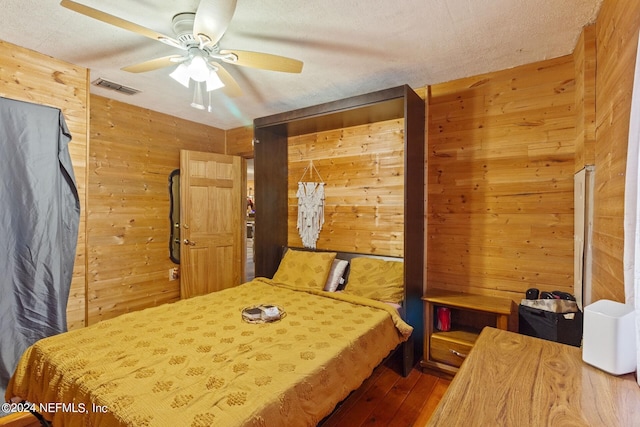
<point x="196" y="363"/>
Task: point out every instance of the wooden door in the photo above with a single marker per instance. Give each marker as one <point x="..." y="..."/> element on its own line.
<point x="212" y="212"/>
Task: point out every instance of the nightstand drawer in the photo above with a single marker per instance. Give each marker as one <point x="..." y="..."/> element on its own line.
<point x="449" y="351"/>
<point x="469" y="314"/>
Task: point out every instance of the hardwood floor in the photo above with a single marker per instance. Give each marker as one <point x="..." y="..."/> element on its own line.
<point x="388" y="399"/>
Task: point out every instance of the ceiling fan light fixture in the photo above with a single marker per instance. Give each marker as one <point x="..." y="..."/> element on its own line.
<point x="198" y="69"/>
<point x="213" y="81"/>
<point x="198" y="34"/>
<point x="181" y="75"/>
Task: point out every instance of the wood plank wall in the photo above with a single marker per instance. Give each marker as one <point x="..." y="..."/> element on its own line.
<point x="240" y="142"/>
<point x="133" y="150"/>
<point x="500" y="174"/>
<point x="617" y="40"/>
<point x="500" y="181"/>
<point x="32" y="77"/>
<point x="363" y="171"/>
<point x="584" y="58"/>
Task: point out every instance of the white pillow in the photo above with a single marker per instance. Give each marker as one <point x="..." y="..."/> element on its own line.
<point x="335" y="278"/>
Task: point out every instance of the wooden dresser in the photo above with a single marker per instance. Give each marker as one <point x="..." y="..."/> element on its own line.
<point x="515" y="380"/>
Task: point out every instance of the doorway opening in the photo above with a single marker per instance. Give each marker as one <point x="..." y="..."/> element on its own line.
<point x="250" y="221"/>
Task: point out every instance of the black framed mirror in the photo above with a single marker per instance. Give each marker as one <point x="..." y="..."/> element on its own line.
<point x="174" y="216"/>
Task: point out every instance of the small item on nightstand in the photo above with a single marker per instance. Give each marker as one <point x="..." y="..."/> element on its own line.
<point x="546" y="295"/>
<point x="444" y="319"/>
<point x="532" y="293"/>
<point x="563" y="295"/>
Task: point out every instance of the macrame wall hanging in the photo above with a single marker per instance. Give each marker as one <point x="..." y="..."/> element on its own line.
<point x="310" y="207"/>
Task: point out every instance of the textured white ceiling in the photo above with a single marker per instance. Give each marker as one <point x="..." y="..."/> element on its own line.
<point x="348" y="47"/>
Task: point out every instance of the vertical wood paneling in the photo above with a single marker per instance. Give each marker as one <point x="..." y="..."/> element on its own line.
<point x="502" y="149"/>
<point x="617" y="40"/>
<point x="240" y="141"/>
<point x="363" y="170"/>
<point x="500" y="181"/>
<point x="584" y="57"/>
<point x="29" y="76"/>
<point x="133" y="150"/>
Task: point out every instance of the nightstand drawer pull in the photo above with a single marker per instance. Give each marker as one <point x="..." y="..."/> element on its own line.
<point x="457" y="353"/>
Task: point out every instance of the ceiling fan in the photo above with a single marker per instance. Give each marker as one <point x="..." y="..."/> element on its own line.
<point x="198" y="35"/>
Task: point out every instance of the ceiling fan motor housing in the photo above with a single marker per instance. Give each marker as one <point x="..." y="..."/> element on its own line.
<point x="182" y="25"/>
<point x="198" y="34"/>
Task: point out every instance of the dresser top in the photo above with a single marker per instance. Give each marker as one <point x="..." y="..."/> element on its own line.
<point x="510" y="379"/>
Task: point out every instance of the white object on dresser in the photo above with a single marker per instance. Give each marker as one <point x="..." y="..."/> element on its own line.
<point x="609" y="337"/>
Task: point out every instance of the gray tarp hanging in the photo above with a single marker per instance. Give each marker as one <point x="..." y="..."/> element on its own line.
<point x="39" y="217"/>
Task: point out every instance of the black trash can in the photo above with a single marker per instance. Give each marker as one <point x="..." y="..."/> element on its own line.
<point x="564" y="328"/>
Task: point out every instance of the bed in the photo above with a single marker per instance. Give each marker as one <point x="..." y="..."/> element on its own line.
<point x="196" y="362"/>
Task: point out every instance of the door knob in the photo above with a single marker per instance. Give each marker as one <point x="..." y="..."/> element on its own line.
<point x="189" y="242"/>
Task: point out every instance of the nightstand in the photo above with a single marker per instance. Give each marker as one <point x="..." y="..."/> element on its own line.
<point x="446" y="350"/>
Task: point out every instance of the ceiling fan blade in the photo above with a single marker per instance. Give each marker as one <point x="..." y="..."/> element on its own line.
<point x="231" y="87"/>
<point x="264" y="61"/>
<point x="154" y="64"/>
<point x="118" y="22"/>
<point x="212" y="18"/>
